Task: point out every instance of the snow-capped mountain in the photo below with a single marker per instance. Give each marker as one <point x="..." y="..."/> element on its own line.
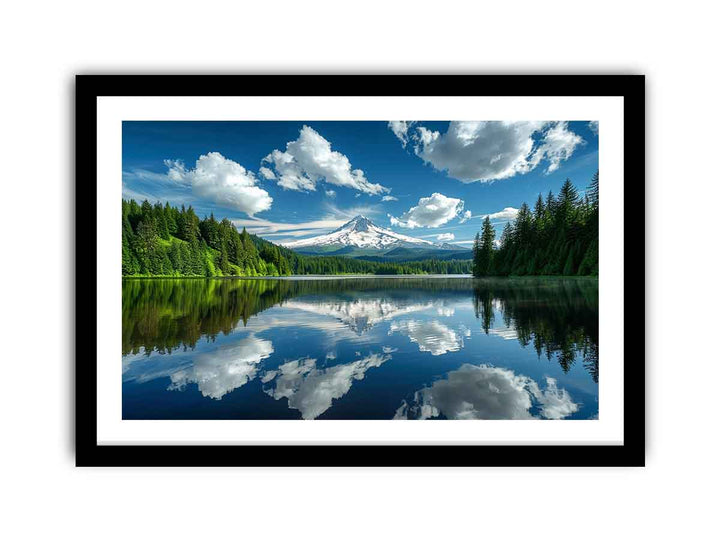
<point x="361" y="314"/>
<point x="363" y="234"/>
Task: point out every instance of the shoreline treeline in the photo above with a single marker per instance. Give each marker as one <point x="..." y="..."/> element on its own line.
<point x="165" y="241"/>
<point x="555" y="316"/>
<point x="558" y="237"/>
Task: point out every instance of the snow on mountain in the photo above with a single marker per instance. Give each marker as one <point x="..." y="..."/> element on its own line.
<point x="362" y="233"/>
<point x="361" y="314"/>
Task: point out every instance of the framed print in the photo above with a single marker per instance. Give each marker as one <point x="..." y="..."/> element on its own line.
<point x="360" y="271"/>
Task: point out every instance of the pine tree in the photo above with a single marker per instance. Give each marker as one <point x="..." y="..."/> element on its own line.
<point x="147" y="215"/>
<point x="185" y="267"/>
<point x="559" y="236"/>
<point x="160" y="223"/>
<point x="539" y="211"/>
<point x="484" y="261"/>
<point x="550" y="202"/>
<point x="186" y="251"/>
<point x="569" y="268"/>
<point x="176" y="258"/>
<point x="566" y="203"/>
<point x="524" y="226"/>
<point x="593" y="190"/>
<point x="224" y="261"/>
<point x="129" y="262"/>
<point x="170" y="219"/>
<point x="477" y="263"/>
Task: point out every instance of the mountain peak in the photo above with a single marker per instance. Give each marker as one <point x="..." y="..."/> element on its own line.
<point x="363" y="234"/>
<point x="360" y="218"/>
<point x="361" y="223"/>
<point x="358" y="223"/>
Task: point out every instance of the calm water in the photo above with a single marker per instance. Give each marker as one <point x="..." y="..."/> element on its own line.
<point x="360" y="348"/>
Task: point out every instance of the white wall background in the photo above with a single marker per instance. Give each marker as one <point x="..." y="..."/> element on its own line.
<point x="44" y="44"/>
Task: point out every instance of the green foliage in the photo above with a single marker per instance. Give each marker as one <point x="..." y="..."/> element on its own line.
<point x="167" y="241"/>
<point x="558" y="237"/>
<point x="476" y="256"/>
<point x="557" y="317"/>
<point x="483" y="250"/>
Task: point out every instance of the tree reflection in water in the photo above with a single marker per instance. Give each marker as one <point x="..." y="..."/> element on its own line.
<point x="166" y="314"/>
<point x="559" y="317"/>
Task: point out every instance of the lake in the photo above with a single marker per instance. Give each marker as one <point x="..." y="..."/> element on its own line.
<point x="435" y="347"/>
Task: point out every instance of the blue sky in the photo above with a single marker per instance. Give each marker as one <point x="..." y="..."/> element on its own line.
<point x="290" y="180"/>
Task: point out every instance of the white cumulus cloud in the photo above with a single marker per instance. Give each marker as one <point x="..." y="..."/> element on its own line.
<point x="558" y="145"/>
<point x="310" y="159"/>
<point x="267" y="173"/>
<point x="400" y="128"/>
<point x="389" y="198"/>
<point x="508" y="213"/>
<point x="445" y="237"/>
<point x="486" y="151"/>
<point x="222" y="181"/>
<point x="432" y="211"/>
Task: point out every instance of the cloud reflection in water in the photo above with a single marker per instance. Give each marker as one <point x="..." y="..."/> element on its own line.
<point x="431" y="336"/>
<point x="222" y="371"/>
<point x="311" y="390"/>
<point x="487" y="393"/>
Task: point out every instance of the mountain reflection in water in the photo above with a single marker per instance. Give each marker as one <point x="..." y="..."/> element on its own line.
<point x="360" y="348"/>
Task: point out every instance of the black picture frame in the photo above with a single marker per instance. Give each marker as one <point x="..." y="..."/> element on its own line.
<point x="631" y="453"/>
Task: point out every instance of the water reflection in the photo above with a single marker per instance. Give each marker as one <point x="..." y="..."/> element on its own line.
<point x="450" y="348"/>
<point x="361" y="314"/>
<point x="225" y="369"/>
<point x="311" y="390"/>
<point x="430" y="336"/>
<point x="164" y="315"/>
<point x="487" y="393"/>
<point x="559" y="317"/>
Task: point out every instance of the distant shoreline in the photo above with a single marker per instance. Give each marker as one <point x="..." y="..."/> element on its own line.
<point x="360" y="276"/>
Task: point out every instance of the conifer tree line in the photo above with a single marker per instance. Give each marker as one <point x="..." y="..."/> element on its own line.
<point x="559" y="236"/>
<point x="557" y="317"/>
<point x="162" y="240"/>
<point x="165" y="315"/>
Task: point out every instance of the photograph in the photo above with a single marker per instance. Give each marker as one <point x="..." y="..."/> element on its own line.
<point x="326" y="269"/>
<point x="360" y="270"/>
<point x="336" y="271"/>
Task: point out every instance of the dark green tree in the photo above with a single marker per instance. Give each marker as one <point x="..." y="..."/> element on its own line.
<point x="558" y="237"/>
<point x="187" y="250"/>
<point x="485" y="250"/>
<point x="593" y="190"/>
<point x="476" y="256"/>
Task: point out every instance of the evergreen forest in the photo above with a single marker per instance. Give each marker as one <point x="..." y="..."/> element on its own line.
<point x="165" y="241"/>
<point x="557" y="237"/>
